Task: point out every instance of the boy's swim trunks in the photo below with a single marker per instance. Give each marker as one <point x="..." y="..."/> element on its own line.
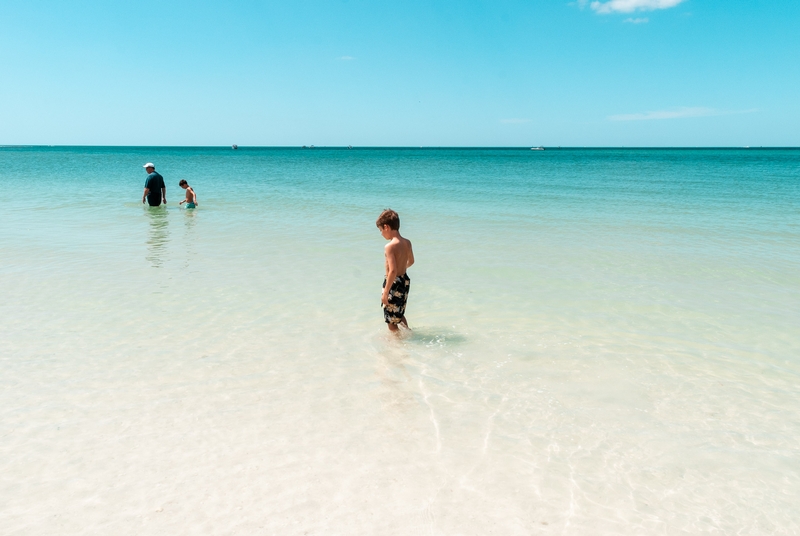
<point x="190" y="205"/>
<point x="398" y="295"/>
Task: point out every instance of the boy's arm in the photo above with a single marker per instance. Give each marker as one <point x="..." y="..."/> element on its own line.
<point x="391" y="274"/>
<point x="410" y="256"/>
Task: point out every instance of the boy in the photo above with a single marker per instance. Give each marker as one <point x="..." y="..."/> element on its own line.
<point x="399" y="257"/>
<point x="191" y="198"/>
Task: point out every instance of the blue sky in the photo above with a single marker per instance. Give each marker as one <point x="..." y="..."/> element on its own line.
<point x="499" y="73"/>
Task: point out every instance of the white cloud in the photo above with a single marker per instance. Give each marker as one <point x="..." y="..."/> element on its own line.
<point x="641" y="20"/>
<point x="346" y="58"/>
<point x="514" y="121"/>
<point x="677" y="113"/>
<point x="629" y="6"/>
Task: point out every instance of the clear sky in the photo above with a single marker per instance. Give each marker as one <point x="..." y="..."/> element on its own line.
<point x="481" y="73"/>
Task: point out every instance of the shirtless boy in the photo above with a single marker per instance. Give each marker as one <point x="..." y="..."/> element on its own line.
<point x="191" y="198"/>
<point x="399" y="257"/>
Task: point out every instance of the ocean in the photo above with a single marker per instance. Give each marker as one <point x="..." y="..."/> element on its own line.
<point x="604" y="341"/>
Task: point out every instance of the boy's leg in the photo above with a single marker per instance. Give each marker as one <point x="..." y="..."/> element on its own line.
<point x="392" y="327"/>
<point x="403" y="321"/>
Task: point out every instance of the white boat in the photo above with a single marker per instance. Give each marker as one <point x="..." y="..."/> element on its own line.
<point x="540" y="148"/>
<point x="234" y="146"/>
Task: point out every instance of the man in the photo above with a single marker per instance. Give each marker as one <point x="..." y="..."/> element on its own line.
<point x="154" y="189"/>
<point x="399" y="257"/>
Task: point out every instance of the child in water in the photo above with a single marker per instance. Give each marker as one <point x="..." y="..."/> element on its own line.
<point x="399" y="258"/>
<point x="191" y="197"/>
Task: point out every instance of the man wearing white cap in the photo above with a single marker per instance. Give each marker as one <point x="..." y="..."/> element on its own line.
<point x="154" y="189"/>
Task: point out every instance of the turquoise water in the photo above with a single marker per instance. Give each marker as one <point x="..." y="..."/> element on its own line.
<point x="604" y="341"/>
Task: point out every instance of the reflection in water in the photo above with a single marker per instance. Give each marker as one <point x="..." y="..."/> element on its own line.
<point x="191" y="221"/>
<point x="397" y="393"/>
<point x="158" y="237"/>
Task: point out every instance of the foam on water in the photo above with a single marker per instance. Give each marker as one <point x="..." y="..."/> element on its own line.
<point x="605" y="342"/>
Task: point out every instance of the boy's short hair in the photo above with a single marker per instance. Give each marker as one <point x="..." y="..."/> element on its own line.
<point x="389" y="217"/>
<point x="183" y="181"/>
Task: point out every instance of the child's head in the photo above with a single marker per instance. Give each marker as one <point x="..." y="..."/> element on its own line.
<point x="183" y="184"/>
<point x="389" y="217"/>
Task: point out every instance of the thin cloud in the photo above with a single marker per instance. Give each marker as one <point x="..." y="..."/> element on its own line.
<point x="677" y="113"/>
<point x="346" y="58"/>
<point x="629" y="6"/>
<point x="514" y="121"/>
<point x="642" y="20"/>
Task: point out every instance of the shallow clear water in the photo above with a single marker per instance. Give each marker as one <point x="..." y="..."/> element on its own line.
<point x="604" y="342"/>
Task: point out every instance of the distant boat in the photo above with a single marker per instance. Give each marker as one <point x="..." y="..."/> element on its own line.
<point x="349" y="146"/>
<point x="540" y="148"/>
<point x="234" y="146"/>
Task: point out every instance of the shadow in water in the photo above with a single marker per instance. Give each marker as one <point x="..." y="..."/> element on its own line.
<point x="435" y="336"/>
<point x="158" y="235"/>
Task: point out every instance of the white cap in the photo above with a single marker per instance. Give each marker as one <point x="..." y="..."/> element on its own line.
<point x="149" y="164"/>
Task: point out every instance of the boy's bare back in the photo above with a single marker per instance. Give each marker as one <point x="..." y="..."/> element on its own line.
<point x="399" y="255"/>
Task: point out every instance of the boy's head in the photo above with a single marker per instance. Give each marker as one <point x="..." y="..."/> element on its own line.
<point x="183" y="184"/>
<point x="388" y="217"/>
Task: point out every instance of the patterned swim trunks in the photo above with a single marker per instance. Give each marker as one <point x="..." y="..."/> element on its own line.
<point x="398" y="295"/>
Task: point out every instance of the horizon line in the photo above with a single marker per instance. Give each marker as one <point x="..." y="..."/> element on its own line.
<point x="417" y="147"/>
